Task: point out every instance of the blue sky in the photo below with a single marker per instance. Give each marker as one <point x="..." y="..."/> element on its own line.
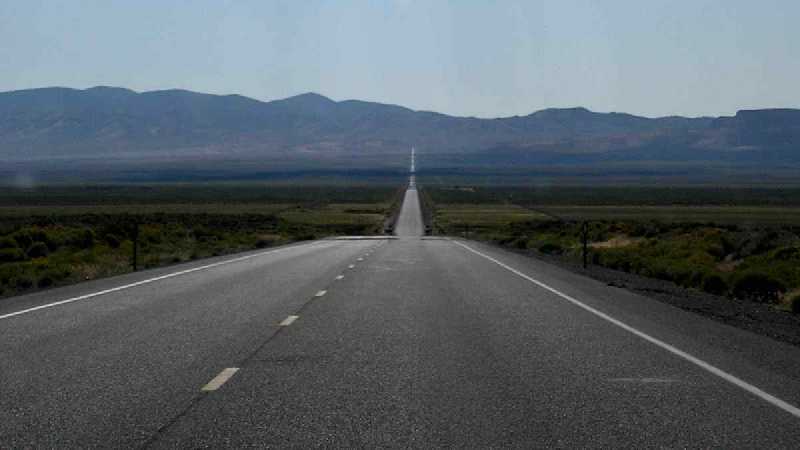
<point x="481" y="58"/>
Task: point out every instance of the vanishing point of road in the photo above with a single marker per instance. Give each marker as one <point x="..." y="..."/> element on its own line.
<point x="404" y="341"/>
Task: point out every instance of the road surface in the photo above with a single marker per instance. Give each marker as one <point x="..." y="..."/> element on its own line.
<point x="406" y="342"/>
<point x="409" y="222"/>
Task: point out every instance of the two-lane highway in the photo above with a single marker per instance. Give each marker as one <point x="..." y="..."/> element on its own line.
<point x="415" y="341"/>
<point x="409" y="222"/>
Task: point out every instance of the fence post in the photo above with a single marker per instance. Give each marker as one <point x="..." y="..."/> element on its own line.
<point x="585" y="239"/>
<point x="135" y="245"/>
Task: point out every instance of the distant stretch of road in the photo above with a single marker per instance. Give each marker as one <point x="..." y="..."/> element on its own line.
<point x="406" y="341"/>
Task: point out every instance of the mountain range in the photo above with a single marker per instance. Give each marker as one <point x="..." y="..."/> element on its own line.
<point x="62" y="127"/>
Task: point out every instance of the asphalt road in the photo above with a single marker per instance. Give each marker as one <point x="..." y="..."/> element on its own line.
<point x="409" y="222"/>
<point x="407" y="342"/>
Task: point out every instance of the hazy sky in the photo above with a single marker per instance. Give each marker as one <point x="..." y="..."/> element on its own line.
<point x="482" y="58"/>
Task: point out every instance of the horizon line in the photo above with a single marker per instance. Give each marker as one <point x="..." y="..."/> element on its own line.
<point x="549" y="108"/>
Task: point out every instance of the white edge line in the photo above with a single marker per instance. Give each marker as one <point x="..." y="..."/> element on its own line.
<point x="147" y="281"/>
<point x="320" y="293"/>
<point x="288" y="321"/>
<point x="220" y="379"/>
<point x="775" y="401"/>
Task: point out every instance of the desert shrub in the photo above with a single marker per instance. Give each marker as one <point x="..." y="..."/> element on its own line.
<point x="503" y="239"/>
<point x="519" y="243"/>
<point x="7" y="242"/>
<point x="23" y="281"/>
<point x="8" y="272"/>
<point x="54" y="275"/>
<point x="653" y="229"/>
<point x="551" y="248"/>
<point x="713" y="283"/>
<point x="697" y="277"/>
<point x="23" y="238"/>
<point x="264" y="242"/>
<point x="613" y="258"/>
<point x="717" y="250"/>
<point x="84" y="238"/>
<point x="787" y="253"/>
<point x="758" y="286"/>
<point x="76" y="237"/>
<point x="151" y="235"/>
<point x="58" y="236"/>
<point x="729" y="243"/>
<point x="37" y="250"/>
<point x="112" y="240"/>
<point x="204" y="234"/>
<point x="152" y="261"/>
<point x="680" y="274"/>
<point x="307" y="236"/>
<point x="11" y="255"/>
<point x="46" y="279"/>
<point x="794" y="303"/>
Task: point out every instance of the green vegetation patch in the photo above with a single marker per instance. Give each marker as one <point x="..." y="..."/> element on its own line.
<point x="483" y="216"/>
<point x="44" y="245"/>
<point x="747" y="252"/>
<point x="615" y="196"/>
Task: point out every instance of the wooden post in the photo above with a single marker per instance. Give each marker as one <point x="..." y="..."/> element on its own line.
<point x="135" y="245"/>
<point x="585" y="239"/>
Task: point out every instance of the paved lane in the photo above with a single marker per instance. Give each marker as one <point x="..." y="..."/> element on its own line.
<point x="409" y="222"/>
<point x="111" y="370"/>
<point x="424" y="344"/>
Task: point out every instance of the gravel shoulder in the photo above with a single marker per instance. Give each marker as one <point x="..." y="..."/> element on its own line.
<point x="755" y="317"/>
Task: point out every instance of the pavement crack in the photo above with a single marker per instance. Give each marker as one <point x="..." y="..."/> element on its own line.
<point x="245" y="362"/>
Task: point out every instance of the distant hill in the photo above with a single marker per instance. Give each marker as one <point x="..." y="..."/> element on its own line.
<point x="188" y="129"/>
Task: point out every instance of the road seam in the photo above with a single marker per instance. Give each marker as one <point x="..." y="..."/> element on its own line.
<point x="245" y="362"/>
<point x="288" y="321"/>
<point x="769" y="398"/>
<point x="220" y="379"/>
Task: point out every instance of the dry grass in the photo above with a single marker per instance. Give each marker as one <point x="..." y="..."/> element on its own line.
<point x="729" y="266"/>
<point x="484" y="215"/>
<point x="617" y="242"/>
<point x="788" y="299"/>
<point x="209" y="208"/>
<point x="739" y="215"/>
